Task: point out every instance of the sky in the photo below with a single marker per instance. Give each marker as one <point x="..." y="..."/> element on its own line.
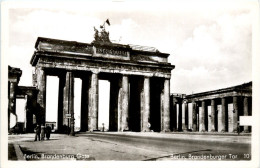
<point x="209" y="42"/>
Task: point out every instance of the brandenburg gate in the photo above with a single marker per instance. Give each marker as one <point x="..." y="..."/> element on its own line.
<point x="139" y="82"/>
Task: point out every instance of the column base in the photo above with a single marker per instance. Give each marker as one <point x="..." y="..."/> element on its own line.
<point x="146" y="130"/>
<point x="166" y="130"/>
<point x="126" y="130"/>
<point x="222" y="131"/>
<point x="235" y="131"/>
<point x="185" y="128"/>
<point x="95" y="130"/>
<point x="174" y="130"/>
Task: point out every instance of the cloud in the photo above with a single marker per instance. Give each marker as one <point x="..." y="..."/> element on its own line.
<point x="52" y="24"/>
<point x="216" y="55"/>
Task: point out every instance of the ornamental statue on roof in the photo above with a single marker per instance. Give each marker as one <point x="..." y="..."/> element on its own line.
<point x="103" y="35"/>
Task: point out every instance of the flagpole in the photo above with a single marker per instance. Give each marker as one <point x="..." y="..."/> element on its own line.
<point x="104" y="24"/>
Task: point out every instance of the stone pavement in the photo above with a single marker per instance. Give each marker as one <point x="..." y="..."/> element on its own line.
<point x="219" y="137"/>
<point x="66" y="147"/>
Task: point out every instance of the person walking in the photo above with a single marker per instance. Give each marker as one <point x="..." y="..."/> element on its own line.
<point x="42" y="132"/>
<point x="48" y="132"/>
<point x="37" y="132"/>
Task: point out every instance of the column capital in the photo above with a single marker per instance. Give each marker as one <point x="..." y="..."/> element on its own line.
<point x="146" y="76"/>
<point x="95" y="72"/>
<point x="40" y="69"/>
<point x="185" y="101"/>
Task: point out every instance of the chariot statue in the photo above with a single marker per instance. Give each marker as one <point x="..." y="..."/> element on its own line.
<point x="103" y="35"/>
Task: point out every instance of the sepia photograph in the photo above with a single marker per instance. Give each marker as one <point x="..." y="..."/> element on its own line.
<point x="169" y="83"/>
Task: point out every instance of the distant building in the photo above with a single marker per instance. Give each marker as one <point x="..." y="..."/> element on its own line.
<point x="217" y="110"/>
<point x="21" y="92"/>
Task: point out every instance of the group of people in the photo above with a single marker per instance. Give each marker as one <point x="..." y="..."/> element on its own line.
<point x="41" y="131"/>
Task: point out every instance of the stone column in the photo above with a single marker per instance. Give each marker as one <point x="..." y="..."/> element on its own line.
<point x="93" y="103"/>
<point x="202" y="117"/>
<point x="119" y="107"/>
<point x="194" y="116"/>
<point x="71" y="103"/>
<point x="180" y="116"/>
<point x="68" y="101"/>
<point x="213" y="112"/>
<point x="246" y="130"/>
<point x="222" y="116"/>
<point x="162" y="106"/>
<point x="166" y="106"/>
<point x="186" y="116"/>
<point x="41" y="98"/>
<point x="174" y="110"/>
<point x="235" y="113"/>
<point x="65" y="101"/>
<point x="125" y="103"/>
<point x="146" y="102"/>
<point x="12" y="101"/>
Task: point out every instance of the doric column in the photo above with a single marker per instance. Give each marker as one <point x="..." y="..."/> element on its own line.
<point x="125" y="103"/>
<point x="93" y="103"/>
<point x="12" y="97"/>
<point x="174" y="111"/>
<point x="12" y="101"/>
<point x="235" y="113"/>
<point x="65" y="100"/>
<point x="202" y="117"/>
<point x="41" y="98"/>
<point x="146" y="105"/>
<point x="222" y="115"/>
<point x="68" y="101"/>
<point x="186" y="116"/>
<point x="71" y="103"/>
<point x="212" y="118"/>
<point x="180" y="116"/>
<point x="246" y="112"/>
<point x="119" y="107"/>
<point x="166" y="106"/>
<point x="194" y="116"/>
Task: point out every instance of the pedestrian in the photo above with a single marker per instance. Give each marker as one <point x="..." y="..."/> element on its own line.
<point x="103" y="128"/>
<point x="42" y="132"/>
<point x="37" y="132"/>
<point x="48" y="132"/>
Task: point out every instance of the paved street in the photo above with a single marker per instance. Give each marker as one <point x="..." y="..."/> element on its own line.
<point x="135" y="146"/>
